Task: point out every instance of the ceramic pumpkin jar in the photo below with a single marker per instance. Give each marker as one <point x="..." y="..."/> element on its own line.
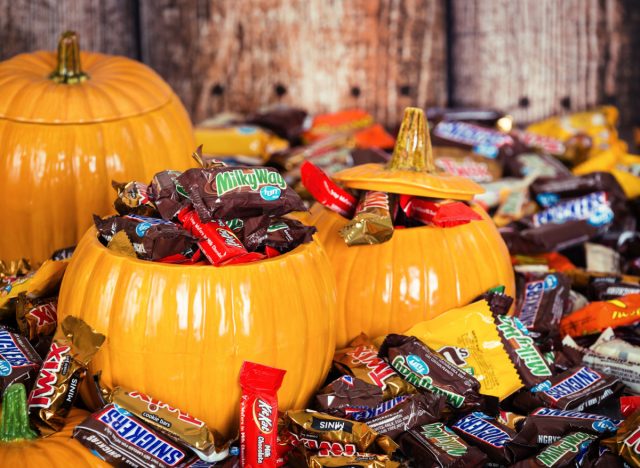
<point x="180" y="333"/>
<point x="69" y="124"/>
<point x="19" y="445"/>
<point x="420" y="272"/>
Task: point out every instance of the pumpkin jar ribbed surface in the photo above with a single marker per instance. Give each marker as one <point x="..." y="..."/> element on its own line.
<point x="418" y="274"/>
<point x="181" y="333"/>
<point x="68" y="126"/>
<point x="58" y="450"/>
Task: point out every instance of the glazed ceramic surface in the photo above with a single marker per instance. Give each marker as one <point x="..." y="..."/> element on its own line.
<point x="180" y="333"/>
<point x="418" y="274"/>
<point x="61" y="144"/>
<point x="56" y="451"/>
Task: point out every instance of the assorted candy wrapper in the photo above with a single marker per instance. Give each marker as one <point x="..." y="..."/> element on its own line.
<point x="549" y="377"/>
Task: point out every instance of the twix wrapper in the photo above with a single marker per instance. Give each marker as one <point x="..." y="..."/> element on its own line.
<point x="36" y="317"/>
<point x="372" y="222"/>
<point x="259" y="415"/>
<point x="174" y="423"/>
<point x="360" y="359"/>
<point x="56" y="387"/>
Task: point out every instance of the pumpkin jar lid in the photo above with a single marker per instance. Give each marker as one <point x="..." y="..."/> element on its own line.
<point x="74" y="87"/>
<point x="412" y="170"/>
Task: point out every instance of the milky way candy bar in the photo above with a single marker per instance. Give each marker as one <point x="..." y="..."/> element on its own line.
<point x="232" y="192"/>
<point x="429" y="372"/>
<point x="438" y="446"/>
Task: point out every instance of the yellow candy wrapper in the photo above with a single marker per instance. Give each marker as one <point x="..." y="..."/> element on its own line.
<point x="598" y="124"/>
<point x="42" y="282"/>
<point x="468" y="337"/>
<point x="246" y="143"/>
<point x="624" y="167"/>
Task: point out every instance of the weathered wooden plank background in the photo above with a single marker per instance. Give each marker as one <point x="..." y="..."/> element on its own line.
<point x="531" y="58"/>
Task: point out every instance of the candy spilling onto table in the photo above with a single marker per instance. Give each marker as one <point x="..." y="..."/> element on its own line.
<point x="550" y="377"/>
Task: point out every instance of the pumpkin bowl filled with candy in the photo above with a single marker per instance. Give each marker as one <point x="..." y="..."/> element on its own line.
<point x="441" y="254"/>
<point x="68" y="125"/>
<point x="179" y="328"/>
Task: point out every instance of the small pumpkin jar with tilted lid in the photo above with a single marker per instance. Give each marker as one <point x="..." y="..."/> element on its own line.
<point x="69" y="124"/>
<point x="422" y="271"/>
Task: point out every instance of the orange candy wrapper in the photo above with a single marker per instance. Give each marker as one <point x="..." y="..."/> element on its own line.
<point x="597" y="316"/>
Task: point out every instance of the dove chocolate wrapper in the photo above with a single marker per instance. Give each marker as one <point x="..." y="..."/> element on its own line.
<point x="429" y="372"/>
<point x="172" y="422"/>
<point x="152" y="238"/>
<point x="360" y="360"/>
<point x="372" y="222"/>
<point x="575" y="389"/>
<point x="19" y="362"/>
<point x="259" y="415"/>
<point x="566" y="452"/>
<point x="329" y="435"/>
<point x="54" y="392"/>
<point x="490" y="436"/>
<point x="408" y="411"/>
<point x="232" y="192"/>
<point x="436" y="445"/>
<point x="122" y="440"/>
<point x="545" y="426"/>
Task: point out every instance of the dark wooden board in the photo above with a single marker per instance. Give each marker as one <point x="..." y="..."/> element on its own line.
<point x="535" y="58"/>
<point x="108" y="26"/>
<point x="318" y="54"/>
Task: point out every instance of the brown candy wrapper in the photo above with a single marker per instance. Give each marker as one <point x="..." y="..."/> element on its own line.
<point x="281" y="234"/>
<point x="372" y="222"/>
<point x="361" y="360"/>
<point x="167" y="194"/>
<point x="133" y="198"/>
<point x="428" y="371"/>
<point x="563" y="453"/>
<point x="302" y="458"/>
<point x="626" y="442"/>
<point x="229" y="192"/>
<point x="36" y="317"/>
<point x="347" y="395"/>
<point x="437" y="445"/>
<point x="329" y="435"/>
<point x="172" y="422"/>
<point x="56" y="387"/>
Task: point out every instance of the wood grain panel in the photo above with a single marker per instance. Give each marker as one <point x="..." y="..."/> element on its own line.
<point x="108" y="26"/>
<point x="534" y="58"/>
<point x="319" y="54"/>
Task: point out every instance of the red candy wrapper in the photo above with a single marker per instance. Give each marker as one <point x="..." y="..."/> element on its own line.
<point x="326" y="191"/>
<point x="629" y="405"/>
<point x="259" y="415"/>
<point x="217" y="242"/>
<point x="438" y="213"/>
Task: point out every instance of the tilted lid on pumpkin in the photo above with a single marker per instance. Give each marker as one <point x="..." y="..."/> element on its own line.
<point x="411" y="170"/>
<point x="73" y="87"/>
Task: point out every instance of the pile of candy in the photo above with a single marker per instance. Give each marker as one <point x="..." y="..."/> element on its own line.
<point x="549" y="378"/>
<point x="215" y="214"/>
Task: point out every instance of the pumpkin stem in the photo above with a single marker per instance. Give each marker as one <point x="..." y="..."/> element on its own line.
<point x="15" y="415"/>
<point x="413" y="146"/>
<point x="68" y="70"/>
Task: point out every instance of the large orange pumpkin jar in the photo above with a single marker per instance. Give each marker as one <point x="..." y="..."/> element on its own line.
<point x="180" y="333"/>
<point x="69" y="124"/>
<point x="420" y="272"/>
